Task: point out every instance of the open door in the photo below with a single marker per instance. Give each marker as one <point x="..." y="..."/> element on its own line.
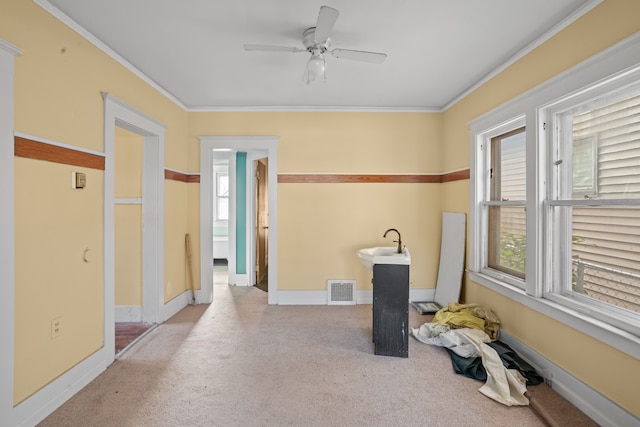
<point x="262" y="222"/>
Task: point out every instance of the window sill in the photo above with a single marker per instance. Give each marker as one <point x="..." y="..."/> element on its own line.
<point x="608" y="334"/>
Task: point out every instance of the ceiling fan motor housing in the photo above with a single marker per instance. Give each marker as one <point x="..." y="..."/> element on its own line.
<point x="309" y="42"/>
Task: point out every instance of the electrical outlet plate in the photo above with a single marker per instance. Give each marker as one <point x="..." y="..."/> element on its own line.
<point x="78" y="180"/>
<point x="56" y="327"/>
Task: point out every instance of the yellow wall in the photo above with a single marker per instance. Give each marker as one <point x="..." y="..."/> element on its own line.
<point x="612" y="373"/>
<point x="320" y="226"/>
<point x="176" y="207"/>
<point x="58" y="80"/>
<point x="128" y="218"/>
<point x="54" y="224"/>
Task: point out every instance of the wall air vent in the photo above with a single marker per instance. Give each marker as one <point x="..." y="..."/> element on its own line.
<point x="341" y="292"/>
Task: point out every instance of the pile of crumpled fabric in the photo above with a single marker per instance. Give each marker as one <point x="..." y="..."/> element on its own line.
<point x="469" y="332"/>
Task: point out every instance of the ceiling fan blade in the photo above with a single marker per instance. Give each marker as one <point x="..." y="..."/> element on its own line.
<point x="360" y="55"/>
<point x="269" y="48"/>
<point x="326" y="20"/>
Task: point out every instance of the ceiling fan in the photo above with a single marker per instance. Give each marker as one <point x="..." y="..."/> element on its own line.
<point x="316" y="40"/>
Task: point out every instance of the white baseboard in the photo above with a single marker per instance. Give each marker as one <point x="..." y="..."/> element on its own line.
<point x="203" y="297"/>
<point x="599" y="408"/>
<point x="37" y="407"/>
<point x="421" y="294"/>
<point x="302" y="297"/>
<point x="128" y="313"/>
<point x="175" y="305"/>
<point x="366" y="296"/>
<point x="362" y="297"/>
<point x="239" y="279"/>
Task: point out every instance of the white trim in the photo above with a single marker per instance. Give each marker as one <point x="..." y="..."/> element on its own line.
<point x="127" y="200"/>
<point x="601" y="65"/>
<point x="7" y="231"/>
<point x="526" y="50"/>
<point x="127" y="313"/>
<point x="366" y="296"/>
<point x="312" y="109"/>
<point x="239" y="279"/>
<point x="65" y="19"/>
<point x="173" y="306"/>
<point x="118" y="113"/>
<point x="59" y="144"/>
<point x="49" y="398"/>
<point x="616" y="60"/>
<point x="300" y="297"/>
<point x="617" y="338"/>
<point x="9" y="48"/>
<point x="599" y="408"/>
<point x="363" y="297"/>
<point x="238" y="143"/>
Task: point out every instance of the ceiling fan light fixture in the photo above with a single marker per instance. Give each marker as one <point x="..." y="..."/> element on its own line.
<point x="316" y="67"/>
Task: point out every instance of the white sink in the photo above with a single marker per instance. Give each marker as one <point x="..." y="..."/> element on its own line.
<point x="384" y="255"/>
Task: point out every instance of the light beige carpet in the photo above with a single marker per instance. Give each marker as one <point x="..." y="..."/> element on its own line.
<point x="240" y="362"/>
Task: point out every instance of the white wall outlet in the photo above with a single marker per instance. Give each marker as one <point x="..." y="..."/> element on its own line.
<point x="56" y="327"/>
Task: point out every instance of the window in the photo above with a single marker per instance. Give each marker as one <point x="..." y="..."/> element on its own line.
<point x="555" y="173"/>
<point x="503" y="202"/>
<point x="222" y="196"/>
<point x="506" y="229"/>
<point x="555" y="199"/>
<point x="593" y="209"/>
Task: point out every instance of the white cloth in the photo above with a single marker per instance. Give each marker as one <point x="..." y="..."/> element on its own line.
<point x="503" y="385"/>
<point x="443" y="336"/>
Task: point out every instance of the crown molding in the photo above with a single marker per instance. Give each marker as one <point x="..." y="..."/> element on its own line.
<point x="312" y="109"/>
<point x="8" y="47"/>
<point x="587" y="7"/>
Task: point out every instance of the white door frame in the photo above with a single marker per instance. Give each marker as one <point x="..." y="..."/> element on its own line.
<point x="268" y="144"/>
<point x="7" y="247"/>
<point x="119" y="114"/>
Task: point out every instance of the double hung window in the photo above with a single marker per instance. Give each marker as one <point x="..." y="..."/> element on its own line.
<point x="222" y="196"/>
<point x="555" y="201"/>
<point x="593" y="203"/>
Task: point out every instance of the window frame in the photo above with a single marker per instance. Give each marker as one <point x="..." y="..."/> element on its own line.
<point x="218" y="196"/>
<point x="484" y="140"/>
<point x="612" y="65"/>
<point x="558" y="195"/>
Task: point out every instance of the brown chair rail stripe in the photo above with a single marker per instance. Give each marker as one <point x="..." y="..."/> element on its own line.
<point x="341" y="178"/>
<point x="179" y="176"/>
<point x="456" y="176"/>
<point x="30" y="149"/>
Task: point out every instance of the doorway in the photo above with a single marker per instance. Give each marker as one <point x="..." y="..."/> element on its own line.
<point x="255" y="148"/>
<point x="262" y="224"/>
<point x="120" y="119"/>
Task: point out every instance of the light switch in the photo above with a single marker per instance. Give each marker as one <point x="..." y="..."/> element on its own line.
<point x="78" y="180"/>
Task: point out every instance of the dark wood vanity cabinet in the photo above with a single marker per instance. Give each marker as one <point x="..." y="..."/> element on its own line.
<point x="391" y="310"/>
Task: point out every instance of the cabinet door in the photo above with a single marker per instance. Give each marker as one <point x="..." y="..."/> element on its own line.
<point x="391" y="309"/>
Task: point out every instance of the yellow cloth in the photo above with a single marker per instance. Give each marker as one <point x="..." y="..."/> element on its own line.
<point x="458" y="319"/>
<point x="469" y="316"/>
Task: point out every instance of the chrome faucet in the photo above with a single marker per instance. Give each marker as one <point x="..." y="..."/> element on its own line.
<point x="399" y="241"/>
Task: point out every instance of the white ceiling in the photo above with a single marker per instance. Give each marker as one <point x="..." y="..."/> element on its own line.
<point x="437" y="49"/>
